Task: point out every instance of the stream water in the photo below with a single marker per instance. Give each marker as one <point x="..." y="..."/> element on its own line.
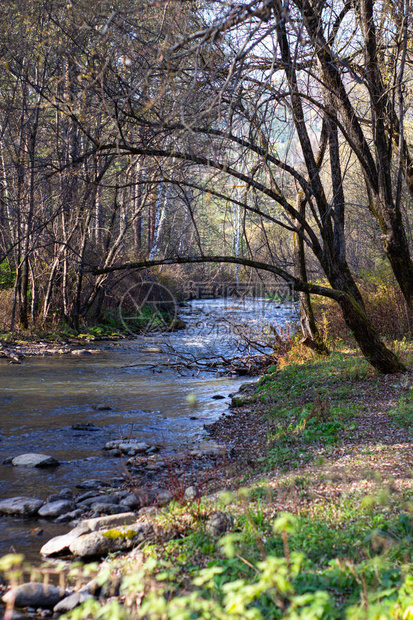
<point x="42" y="398"/>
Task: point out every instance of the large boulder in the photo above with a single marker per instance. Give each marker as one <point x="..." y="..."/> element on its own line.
<point x="32" y="459"/>
<point x="98" y="544"/>
<point x="34" y="594"/>
<point x="21" y="506"/>
<point x="60" y="544"/>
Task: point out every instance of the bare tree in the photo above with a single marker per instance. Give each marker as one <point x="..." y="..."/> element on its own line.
<point x="228" y="87"/>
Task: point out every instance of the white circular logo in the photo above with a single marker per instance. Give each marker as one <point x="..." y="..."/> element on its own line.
<point x="148" y="307"/>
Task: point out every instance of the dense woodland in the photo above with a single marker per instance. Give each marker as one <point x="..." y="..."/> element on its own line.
<point x="276" y="135"/>
<point x="165" y="141"/>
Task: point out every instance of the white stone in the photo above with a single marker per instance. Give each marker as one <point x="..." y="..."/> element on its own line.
<point x="34" y="460"/>
<point x="190" y="494"/>
<point x="58" y="544"/>
<point x="71" y="602"/>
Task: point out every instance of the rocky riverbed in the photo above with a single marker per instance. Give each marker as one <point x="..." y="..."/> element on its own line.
<point x="119" y="516"/>
<point x="116" y="516"/>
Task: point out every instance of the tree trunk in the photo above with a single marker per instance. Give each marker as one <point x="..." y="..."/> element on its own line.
<point x="381" y="358"/>
<point x="311" y="336"/>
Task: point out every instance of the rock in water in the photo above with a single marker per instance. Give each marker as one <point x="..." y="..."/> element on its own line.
<point x="34" y="595"/>
<point x="22" y="506"/>
<point x="128" y="446"/>
<point x="86" y="426"/>
<point x="55" y="509"/>
<point x="16" y="615"/>
<point x="60" y="544"/>
<point x="34" y="460"/>
<point x="92" y="484"/>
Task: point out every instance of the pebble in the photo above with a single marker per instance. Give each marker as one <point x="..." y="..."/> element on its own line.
<point x="190" y="494"/>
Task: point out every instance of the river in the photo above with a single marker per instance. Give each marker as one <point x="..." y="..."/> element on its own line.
<point x="42" y="398"/>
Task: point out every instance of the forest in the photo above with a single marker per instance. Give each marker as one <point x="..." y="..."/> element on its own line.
<point x="222" y="141"/>
<point x="275" y="137"/>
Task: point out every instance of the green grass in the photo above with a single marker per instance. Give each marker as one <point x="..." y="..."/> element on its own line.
<point x="311" y="406"/>
<point x="402" y="413"/>
<point x="347" y="560"/>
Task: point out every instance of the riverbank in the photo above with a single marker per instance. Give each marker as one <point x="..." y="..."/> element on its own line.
<point x="17" y="349"/>
<point x="308" y="514"/>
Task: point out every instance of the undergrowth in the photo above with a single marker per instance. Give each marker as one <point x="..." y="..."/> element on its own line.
<point x="349" y="560"/>
<point x="312" y="404"/>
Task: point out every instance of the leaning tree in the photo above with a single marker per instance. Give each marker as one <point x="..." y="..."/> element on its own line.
<point x="221" y="98"/>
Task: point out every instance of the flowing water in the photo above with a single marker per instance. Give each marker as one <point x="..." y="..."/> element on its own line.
<point x="42" y="398"/>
